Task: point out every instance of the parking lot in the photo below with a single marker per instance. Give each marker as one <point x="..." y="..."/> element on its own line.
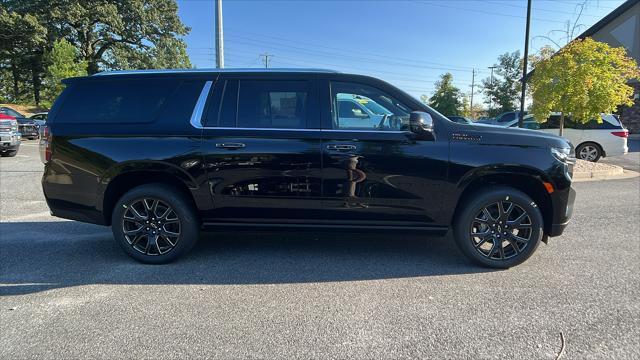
<point x="68" y="291"/>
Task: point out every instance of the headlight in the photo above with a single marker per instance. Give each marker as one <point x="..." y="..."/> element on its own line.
<point x="562" y="154"/>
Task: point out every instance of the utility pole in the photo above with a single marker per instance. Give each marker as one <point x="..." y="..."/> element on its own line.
<point x="490" y="98"/>
<point x="524" y="66"/>
<point x="219" y="37"/>
<point x="473" y="83"/>
<point x="265" y="59"/>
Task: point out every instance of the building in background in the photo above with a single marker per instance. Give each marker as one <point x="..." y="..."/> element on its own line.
<point x="622" y="28"/>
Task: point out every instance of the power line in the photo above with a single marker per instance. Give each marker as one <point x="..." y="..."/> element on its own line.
<point x="265" y="59"/>
<point x="482" y="11"/>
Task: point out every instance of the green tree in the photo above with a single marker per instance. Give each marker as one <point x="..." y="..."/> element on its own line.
<point x="108" y="34"/>
<point x="168" y="53"/>
<point x="63" y="60"/>
<point x="133" y="27"/>
<point x="20" y="47"/>
<point x="503" y="92"/>
<point x="447" y="99"/>
<point x="584" y="79"/>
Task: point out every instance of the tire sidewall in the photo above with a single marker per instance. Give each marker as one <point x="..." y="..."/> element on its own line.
<point x="474" y="205"/>
<point x="189" y="225"/>
<point x="596" y="146"/>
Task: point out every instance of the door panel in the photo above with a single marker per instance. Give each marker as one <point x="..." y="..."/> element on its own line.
<point x="262" y="158"/>
<point x="384" y="177"/>
<point x="263" y="174"/>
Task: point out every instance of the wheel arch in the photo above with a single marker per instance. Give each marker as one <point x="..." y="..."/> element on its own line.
<point x="128" y="177"/>
<point x="529" y="181"/>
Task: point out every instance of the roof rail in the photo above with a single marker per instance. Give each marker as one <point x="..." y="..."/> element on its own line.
<point x="228" y="70"/>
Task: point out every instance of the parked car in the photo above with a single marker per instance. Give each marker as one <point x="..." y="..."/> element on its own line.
<point x="39" y="118"/>
<point x="460" y="119"/>
<point x="502" y="119"/>
<point x="360" y="112"/>
<point x="9" y="136"/>
<point x="27" y="127"/>
<point x="594" y="139"/>
<point x="161" y="155"/>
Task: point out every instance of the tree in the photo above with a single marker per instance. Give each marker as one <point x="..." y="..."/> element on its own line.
<point x="168" y="53"/>
<point x="63" y="60"/>
<point x="133" y="26"/>
<point x="584" y="79"/>
<point x="108" y="34"/>
<point x="22" y="37"/>
<point x="504" y="89"/>
<point x="447" y="98"/>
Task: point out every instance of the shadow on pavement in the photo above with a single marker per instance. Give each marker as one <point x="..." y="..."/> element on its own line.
<point x="38" y="256"/>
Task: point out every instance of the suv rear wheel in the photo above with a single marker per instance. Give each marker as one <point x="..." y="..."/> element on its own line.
<point x="499" y="228"/>
<point x="154" y="224"/>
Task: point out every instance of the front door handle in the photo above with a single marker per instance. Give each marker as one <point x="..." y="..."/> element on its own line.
<point x="341" y="147"/>
<point x="231" y="146"/>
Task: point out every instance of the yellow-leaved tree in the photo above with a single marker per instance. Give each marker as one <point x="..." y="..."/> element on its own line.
<point x="583" y="79"/>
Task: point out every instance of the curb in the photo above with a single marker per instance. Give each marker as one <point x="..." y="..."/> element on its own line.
<point x="614" y="174"/>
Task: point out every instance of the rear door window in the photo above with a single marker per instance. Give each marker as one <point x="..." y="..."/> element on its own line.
<point x="116" y="100"/>
<point x="273" y="104"/>
<point x="222" y="105"/>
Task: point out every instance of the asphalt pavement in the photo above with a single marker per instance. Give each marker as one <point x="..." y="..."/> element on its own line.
<point x="629" y="161"/>
<point x="68" y="291"/>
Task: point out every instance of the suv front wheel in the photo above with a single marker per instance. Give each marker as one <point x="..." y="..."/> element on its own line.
<point x="500" y="227"/>
<point x="154" y="223"/>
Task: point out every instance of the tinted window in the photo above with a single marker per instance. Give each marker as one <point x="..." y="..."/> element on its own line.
<point x="273" y="104"/>
<point x="362" y="107"/>
<point x="182" y="102"/>
<point x="222" y="104"/>
<point x="507" y="117"/>
<point x="116" y="101"/>
<point x="603" y="125"/>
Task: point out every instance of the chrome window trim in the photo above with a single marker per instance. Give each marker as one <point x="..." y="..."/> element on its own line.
<point x="196" y="115"/>
<point x="198" y="112"/>
<point x="290" y="129"/>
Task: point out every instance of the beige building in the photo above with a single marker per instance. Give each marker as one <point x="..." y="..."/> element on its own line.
<point x="622" y="28"/>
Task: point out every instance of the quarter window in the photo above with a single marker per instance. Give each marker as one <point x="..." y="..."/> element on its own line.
<point x="362" y="107"/>
<point x="116" y="101"/>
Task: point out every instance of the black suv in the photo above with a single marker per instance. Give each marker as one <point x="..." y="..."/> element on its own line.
<point x="161" y="155"/>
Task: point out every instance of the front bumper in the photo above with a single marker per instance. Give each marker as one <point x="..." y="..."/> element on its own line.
<point x="561" y="220"/>
<point x="9" y="140"/>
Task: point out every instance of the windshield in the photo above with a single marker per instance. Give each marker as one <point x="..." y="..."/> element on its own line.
<point x="11" y="112"/>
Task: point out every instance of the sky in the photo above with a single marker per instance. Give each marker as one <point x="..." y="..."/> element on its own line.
<point x="408" y="43"/>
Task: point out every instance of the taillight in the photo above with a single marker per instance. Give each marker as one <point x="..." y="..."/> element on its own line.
<point x="623" y="134"/>
<point x="45" y="144"/>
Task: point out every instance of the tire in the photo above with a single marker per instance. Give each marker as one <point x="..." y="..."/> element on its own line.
<point x="155" y="242"/>
<point x="589" y="151"/>
<point x="11" y="153"/>
<point x="517" y="242"/>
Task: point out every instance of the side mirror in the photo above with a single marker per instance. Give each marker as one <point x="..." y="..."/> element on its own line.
<point x="421" y="122"/>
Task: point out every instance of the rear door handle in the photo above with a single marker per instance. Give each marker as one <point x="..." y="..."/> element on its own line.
<point x="341" y="147"/>
<point x="230" y="146"/>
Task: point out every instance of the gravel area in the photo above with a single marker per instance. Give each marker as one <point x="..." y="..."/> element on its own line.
<point x="585" y="166"/>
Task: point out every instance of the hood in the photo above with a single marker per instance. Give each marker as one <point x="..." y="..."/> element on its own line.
<point x="498" y="135"/>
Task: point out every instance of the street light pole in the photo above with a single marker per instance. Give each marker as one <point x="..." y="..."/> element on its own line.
<point x="524" y="66"/>
<point x="491" y="98"/>
<point x="219" y="37"/>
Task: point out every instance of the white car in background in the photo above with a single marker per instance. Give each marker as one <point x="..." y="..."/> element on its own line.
<point x="592" y="140"/>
